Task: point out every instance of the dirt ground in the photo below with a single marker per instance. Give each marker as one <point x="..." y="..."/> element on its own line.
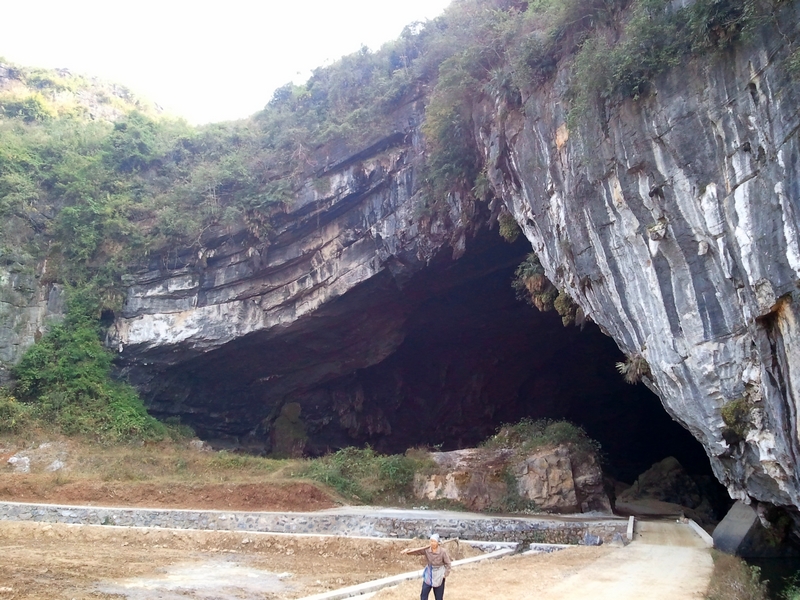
<point x="43" y="561"/>
<point x="264" y="496"/>
<point x="154" y="476"/>
<point x="53" y="561"/>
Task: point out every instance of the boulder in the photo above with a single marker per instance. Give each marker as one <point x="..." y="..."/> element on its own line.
<point x="20" y="464"/>
<point x="665" y="489"/>
<point x="666" y="481"/>
<point x="47" y="456"/>
<point x="754" y="532"/>
<point x="472" y="477"/>
<point x="554" y="479"/>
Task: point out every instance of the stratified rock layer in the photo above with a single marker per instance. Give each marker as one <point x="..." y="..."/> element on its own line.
<point x="672" y="221"/>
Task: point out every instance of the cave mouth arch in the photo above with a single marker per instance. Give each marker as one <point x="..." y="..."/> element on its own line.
<point x="440" y="359"/>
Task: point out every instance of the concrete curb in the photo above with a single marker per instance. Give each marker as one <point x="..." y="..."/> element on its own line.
<point x="373" y="586"/>
<point x="547" y="548"/>
<point x="702" y="533"/>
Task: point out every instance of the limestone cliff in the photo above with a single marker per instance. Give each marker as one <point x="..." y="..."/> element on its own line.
<point x="672" y="221"/>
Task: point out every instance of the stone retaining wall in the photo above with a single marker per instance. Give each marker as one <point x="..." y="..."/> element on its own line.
<point x="464" y="527"/>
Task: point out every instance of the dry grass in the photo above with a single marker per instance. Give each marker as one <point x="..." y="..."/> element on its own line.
<point x="734" y="579"/>
<point x="163" y="474"/>
<point x="166" y="460"/>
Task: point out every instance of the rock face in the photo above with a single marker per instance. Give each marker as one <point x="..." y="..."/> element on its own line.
<point x="556" y="480"/>
<point x="747" y="533"/>
<point x="27" y="307"/>
<point x="227" y="338"/>
<point x="562" y="481"/>
<point x="666" y="489"/>
<point x="674" y="222"/>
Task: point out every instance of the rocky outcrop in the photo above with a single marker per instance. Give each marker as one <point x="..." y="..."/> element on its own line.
<point x="674" y="222"/>
<point x="556" y="480"/>
<point x="65" y="91"/>
<point x="27" y="307"/>
<point x="227" y="336"/>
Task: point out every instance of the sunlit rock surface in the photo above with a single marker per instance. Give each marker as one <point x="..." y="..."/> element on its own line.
<point x="674" y="222"/>
<point x="27" y="307"/>
<point x="555" y="479"/>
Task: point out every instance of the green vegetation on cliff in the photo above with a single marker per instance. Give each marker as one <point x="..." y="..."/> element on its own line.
<point x="93" y="189"/>
<point x="528" y="436"/>
<point x="102" y="196"/>
<point x="64" y="381"/>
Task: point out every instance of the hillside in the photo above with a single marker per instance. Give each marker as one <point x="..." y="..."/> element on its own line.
<point x="329" y="272"/>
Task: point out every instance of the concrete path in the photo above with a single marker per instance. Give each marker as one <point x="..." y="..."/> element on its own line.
<point x="667" y="561"/>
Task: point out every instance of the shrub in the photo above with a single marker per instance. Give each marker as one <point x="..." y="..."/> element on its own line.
<point x="29" y="108"/>
<point x="363" y="474"/>
<point x="634" y="368"/>
<point x="452" y="161"/>
<point x="66" y="376"/>
<point x="509" y="229"/>
<point x="566" y="308"/>
<point x="533" y="286"/>
<point x="14" y="416"/>
<point x="528" y="435"/>
<point x="792" y="589"/>
<point x="655" y="38"/>
<point x="483" y="187"/>
<point x="736" y="416"/>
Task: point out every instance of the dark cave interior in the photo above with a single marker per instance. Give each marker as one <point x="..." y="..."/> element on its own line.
<point x="440" y="359"/>
<point x="474" y="357"/>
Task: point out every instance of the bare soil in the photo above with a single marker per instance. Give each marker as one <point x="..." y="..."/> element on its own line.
<point x="53" y="561"/>
<point x="166" y="475"/>
<point x="265" y="496"/>
<point x="89" y="562"/>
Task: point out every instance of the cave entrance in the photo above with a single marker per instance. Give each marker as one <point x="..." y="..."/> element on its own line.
<point x="474" y="356"/>
<point x="440" y="359"/>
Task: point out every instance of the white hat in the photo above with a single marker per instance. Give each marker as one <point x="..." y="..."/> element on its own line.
<point x="435" y="537"/>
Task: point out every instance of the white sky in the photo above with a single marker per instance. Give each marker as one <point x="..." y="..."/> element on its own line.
<point x="205" y="61"/>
